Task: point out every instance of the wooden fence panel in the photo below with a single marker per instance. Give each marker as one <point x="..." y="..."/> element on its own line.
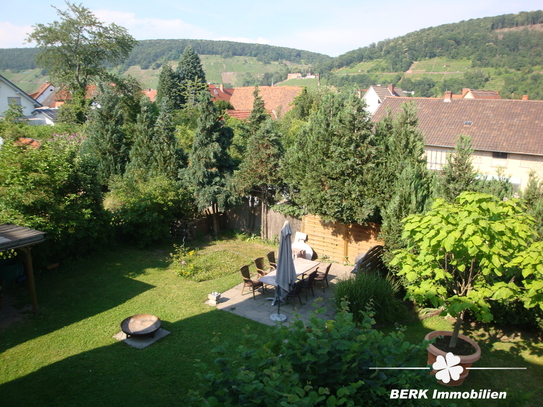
<point x="341" y="243"/>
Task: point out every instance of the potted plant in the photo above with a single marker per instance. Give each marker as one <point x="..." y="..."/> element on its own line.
<point x="461" y="255"/>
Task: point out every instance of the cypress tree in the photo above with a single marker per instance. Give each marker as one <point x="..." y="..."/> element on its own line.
<point x="107" y="144"/>
<point x="210" y="166"/>
<point x="258" y="174"/>
<point x="458" y="175"/>
<point x="166" y="156"/>
<point x="258" y="113"/>
<point x="327" y="168"/>
<point x="141" y="154"/>
<point x="191" y="78"/>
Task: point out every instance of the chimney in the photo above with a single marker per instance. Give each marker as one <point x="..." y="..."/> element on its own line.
<point x="448" y="96"/>
<point x="391" y="89"/>
<point x="221" y="87"/>
<point x="524" y="97"/>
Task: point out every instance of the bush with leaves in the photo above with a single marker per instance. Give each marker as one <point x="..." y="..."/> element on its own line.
<point x="50" y="188"/>
<point x="321" y="363"/>
<point x="464" y="254"/>
<point x="371" y="289"/>
<point x="143" y="210"/>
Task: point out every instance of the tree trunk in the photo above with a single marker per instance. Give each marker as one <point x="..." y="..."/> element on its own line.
<point x="216" y="226"/>
<point x="456" y="330"/>
<point x="264" y="214"/>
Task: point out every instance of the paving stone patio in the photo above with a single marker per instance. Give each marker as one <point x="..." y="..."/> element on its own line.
<point x="259" y="309"/>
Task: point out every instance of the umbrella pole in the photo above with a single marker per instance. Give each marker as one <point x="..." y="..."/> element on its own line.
<point x="279" y="300"/>
<point x="278" y="317"/>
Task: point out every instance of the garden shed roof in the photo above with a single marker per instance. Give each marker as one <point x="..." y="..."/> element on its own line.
<point x="19" y="237"/>
<point x="14" y="237"/>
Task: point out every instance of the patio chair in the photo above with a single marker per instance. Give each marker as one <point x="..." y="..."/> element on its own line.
<point x="295" y="292"/>
<point x="248" y="282"/>
<point x="271" y="259"/>
<point x="322" y="276"/>
<point x="261" y="269"/>
<point x="308" y="283"/>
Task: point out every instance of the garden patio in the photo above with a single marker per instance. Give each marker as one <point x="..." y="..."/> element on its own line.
<point x="260" y="308"/>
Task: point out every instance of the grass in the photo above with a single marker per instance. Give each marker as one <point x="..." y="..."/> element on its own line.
<point x="66" y="355"/>
<point x="503" y="347"/>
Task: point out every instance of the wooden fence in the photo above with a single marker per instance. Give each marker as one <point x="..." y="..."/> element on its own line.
<point x="341" y="243"/>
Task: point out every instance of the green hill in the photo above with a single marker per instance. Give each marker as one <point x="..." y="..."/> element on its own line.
<point x="503" y="53"/>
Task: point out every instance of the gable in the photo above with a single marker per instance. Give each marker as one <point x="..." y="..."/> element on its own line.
<point x="9" y="90"/>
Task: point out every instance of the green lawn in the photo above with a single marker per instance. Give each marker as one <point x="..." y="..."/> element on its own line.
<point x="66" y="356"/>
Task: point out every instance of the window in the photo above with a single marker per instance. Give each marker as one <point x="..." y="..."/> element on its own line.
<point x="502" y="156"/>
<point x="14" y="100"/>
<point x="436" y="158"/>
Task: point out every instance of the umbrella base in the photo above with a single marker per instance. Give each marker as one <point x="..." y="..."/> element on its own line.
<point x="278" y="317"/>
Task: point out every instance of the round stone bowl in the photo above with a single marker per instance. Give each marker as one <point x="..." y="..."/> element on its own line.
<point x="141" y="324"/>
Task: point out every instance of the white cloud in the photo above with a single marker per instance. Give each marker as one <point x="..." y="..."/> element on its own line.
<point x="13" y="36"/>
<point x="152" y="28"/>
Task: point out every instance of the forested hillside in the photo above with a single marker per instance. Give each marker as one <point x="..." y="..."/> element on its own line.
<point x="485" y="41"/>
<point x="502" y="53"/>
<point x="152" y="53"/>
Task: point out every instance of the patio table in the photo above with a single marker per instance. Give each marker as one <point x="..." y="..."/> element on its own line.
<point x="300" y="265"/>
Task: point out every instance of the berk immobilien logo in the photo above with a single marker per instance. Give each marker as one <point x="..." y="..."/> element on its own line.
<point x="447" y="368"/>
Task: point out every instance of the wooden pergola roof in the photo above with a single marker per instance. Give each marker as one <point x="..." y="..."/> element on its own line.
<point x="19" y="237"/>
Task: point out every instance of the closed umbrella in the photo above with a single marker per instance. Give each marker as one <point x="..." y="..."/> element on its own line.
<point x="285" y="274"/>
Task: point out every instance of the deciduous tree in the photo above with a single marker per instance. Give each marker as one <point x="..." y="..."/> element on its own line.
<point x="463" y="254"/>
<point x="75" y="49"/>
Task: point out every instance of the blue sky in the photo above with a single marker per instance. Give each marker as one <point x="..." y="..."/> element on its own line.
<point x="330" y="27"/>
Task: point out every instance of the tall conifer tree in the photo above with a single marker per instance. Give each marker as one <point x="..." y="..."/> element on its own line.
<point x="107" y="143"/>
<point x="191" y="77"/>
<point x="210" y="166"/>
<point x="458" y="174"/>
<point x="328" y="166"/>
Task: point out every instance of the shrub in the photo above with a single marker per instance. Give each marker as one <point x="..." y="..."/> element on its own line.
<point x="368" y="289"/>
<point x="464" y="254"/>
<point x="49" y="188"/>
<point x="143" y="210"/>
<point x="515" y="314"/>
<point x="323" y="363"/>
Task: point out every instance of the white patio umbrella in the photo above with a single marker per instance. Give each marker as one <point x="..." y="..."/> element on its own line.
<point x="285" y="274"/>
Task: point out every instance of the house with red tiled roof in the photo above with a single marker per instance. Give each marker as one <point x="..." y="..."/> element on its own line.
<point x="220" y="92"/>
<point x="277" y="100"/>
<point x="151" y="94"/>
<point x="376" y="94"/>
<point x="468" y="93"/>
<point x="45" y="94"/>
<point x="505" y="133"/>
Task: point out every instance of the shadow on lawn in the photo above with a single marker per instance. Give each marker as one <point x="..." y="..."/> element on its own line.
<point x="163" y="373"/>
<point x="120" y="375"/>
<point x="76" y="291"/>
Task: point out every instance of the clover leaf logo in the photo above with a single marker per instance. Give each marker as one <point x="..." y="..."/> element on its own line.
<point x="447" y="368"/>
